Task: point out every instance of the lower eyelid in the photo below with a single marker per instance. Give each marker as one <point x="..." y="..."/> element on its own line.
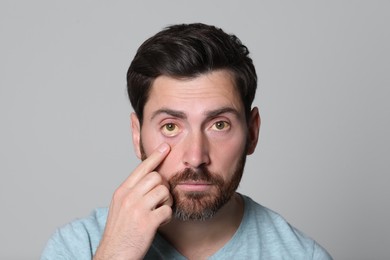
<point x="169" y="134"/>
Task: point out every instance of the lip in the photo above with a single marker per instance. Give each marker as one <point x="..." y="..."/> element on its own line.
<point x="194" y="186"/>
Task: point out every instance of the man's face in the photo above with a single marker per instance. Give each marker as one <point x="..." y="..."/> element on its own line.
<point x="203" y="120"/>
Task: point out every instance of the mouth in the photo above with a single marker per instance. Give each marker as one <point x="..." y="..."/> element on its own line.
<point x="194" y="186"/>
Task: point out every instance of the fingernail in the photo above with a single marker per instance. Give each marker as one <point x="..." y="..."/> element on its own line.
<point x="163" y="147"/>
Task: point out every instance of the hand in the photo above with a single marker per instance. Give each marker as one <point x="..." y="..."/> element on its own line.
<point x="139" y="206"/>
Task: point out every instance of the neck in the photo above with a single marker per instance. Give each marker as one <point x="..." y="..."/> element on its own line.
<point x="200" y="239"/>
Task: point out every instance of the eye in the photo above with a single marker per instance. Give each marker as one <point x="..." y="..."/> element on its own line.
<point x="170" y="129"/>
<point x="220" y="125"/>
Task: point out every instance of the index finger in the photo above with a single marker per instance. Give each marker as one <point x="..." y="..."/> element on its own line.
<point x="148" y="165"/>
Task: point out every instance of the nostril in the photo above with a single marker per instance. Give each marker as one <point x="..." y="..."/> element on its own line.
<point x="194" y="157"/>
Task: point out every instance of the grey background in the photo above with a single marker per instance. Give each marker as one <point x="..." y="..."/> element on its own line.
<point x="323" y="157"/>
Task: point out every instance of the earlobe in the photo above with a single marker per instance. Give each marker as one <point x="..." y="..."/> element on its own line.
<point x="253" y="130"/>
<point x="136" y="134"/>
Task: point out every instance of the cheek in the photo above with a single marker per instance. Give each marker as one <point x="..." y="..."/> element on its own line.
<point x="151" y="143"/>
<point x="151" y="140"/>
<point x="172" y="163"/>
<point x="226" y="156"/>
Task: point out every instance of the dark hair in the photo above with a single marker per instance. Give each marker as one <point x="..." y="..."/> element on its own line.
<point x="187" y="51"/>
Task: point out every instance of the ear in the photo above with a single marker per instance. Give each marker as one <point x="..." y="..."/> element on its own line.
<point x="253" y="130"/>
<point x="136" y="132"/>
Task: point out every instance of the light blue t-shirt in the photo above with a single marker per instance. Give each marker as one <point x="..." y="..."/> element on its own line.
<point x="262" y="234"/>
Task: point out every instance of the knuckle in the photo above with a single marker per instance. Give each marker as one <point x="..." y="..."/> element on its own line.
<point x="128" y="202"/>
<point x="163" y="190"/>
<point x="156" y="176"/>
<point x="165" y="213"/>
<point x="152" y="178"/>
<point x="169" y="200"/>
<point x="167" y="210"/>
<point x="118" y="194"/>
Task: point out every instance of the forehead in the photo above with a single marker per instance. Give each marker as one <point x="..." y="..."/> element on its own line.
<point x="205" y="92"/>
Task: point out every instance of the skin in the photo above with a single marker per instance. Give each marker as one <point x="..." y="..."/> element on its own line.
<point x="133" y="210"/>
<point x="188" y="123"/>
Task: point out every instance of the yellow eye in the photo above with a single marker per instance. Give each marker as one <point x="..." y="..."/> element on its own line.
<point x="170" y="129"/>
<point x="221" y="125"/>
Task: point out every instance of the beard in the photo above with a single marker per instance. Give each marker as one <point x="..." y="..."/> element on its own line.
<point x="202" y="205"/>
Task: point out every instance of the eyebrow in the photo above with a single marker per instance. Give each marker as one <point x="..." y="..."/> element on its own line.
<point x="171" y="112"/>
<point x="223" y="110"/>
<point x="182" y="115"/>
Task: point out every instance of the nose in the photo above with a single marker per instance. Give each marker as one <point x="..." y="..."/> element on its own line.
<point x="196" y="150"/>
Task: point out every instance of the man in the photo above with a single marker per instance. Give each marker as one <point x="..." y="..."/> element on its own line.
<point x="191" y="87"/>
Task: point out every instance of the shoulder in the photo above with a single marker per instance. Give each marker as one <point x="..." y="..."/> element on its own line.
<point x="78" y="239"/>
<point x="276" y="236"/>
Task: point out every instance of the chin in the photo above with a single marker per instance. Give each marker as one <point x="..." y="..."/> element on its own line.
<point x="198" y="206"/>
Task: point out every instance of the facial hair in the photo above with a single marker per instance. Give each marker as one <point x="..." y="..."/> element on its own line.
<point x="202" y="205"/>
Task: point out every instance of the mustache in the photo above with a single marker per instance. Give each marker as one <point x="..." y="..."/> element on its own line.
<point x="200" y="174"/>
